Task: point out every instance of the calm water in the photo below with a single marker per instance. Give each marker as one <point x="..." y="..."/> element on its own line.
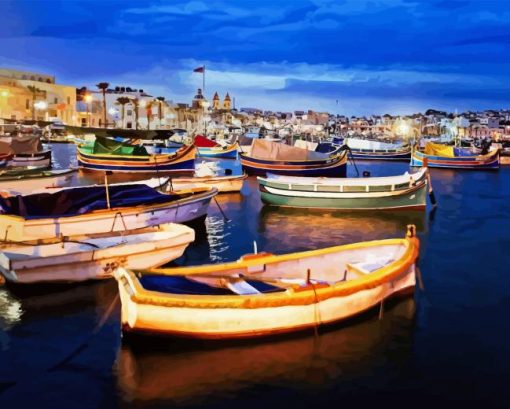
<point x="447" y="345"/>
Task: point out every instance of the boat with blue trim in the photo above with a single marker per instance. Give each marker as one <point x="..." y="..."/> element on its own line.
<point x="449" y="157"/>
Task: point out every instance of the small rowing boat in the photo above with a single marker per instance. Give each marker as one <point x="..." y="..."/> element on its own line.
<point x="265" y="294"/>
<point x="444" y="156"/>
<point x="407" y="191"/>
<point x="94" y="258"/>
<point x="26" y="181"/>
<point x="272" y="157"/>
<point x="96" y="209"/>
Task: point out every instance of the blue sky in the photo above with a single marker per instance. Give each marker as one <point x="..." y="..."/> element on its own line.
<point x="345" y="56"/>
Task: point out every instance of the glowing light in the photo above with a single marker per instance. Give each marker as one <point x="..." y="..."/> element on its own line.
<point x="4" y="93"/>
<point x="112" y="111"/>
<point x="41" y="105"/>
<point x="88" y="98"/>
<point x="403" y="129"/>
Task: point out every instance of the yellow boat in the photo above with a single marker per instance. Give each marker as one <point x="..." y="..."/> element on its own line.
<point x="264" y="294"/>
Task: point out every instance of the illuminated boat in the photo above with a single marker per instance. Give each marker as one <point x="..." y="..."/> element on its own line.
<point x="265" y="294"/>
<point x="94" y="257"/>
<point x="407" y="191"/>
<point x="272" y="157"/>
<point x="374" y="150"/>
<point x="110" y="155"/>
<point x="94" y="209"/>
<point x="443" y="156"/>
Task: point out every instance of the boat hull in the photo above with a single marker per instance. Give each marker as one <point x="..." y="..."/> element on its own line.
<point x="333" y="167"/>
<point x="147" y="251"/>
<point x="485" y="162"/>
<point x="381" y="155"/>
<point x="16" y="229"/>
<point x="247" y="316"/>
<point x="224" y="184"/>
<point x="414" y="198"/>
<point x="180" y="162"/>
<point x="27" y="184"/>
<point x="230" y="152"/>
<point x="40" y="159"/>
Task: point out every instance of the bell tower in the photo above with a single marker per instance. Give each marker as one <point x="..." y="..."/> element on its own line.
<point x="216" y="101"/>
<point x="227" y="103"/>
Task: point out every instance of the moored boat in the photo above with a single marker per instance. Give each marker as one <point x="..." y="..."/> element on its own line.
<point x="26" y="181"/>
<point x="271" y="157"/>
<point x="25" y="151"/>
<point x="406" y="192"/>
<point x="443" y="156"/>
<point x="264" y="294"/>
<point x="106" y="154"/>
<point x="95" y="209"/>
<point x="93" y="258"/>
<point x="374" y="150"/>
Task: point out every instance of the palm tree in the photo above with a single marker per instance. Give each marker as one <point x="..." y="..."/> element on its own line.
<point x="34" y="90"/>
<point x="136" y="104"/>
<point x="160" y="109"/>
<point x="123" y="101"/>
<point x="103" y="86"/>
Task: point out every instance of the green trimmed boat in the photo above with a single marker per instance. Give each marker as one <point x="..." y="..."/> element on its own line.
<point x="407" y="191"/>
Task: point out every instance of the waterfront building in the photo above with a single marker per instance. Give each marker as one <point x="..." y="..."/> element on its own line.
<point x="29" y="95"/>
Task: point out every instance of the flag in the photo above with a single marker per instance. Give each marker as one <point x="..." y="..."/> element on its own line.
<point x="199" y="69"/>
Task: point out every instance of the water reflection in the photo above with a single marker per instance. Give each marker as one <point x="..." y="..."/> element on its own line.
<point x="306" y="228"/>
<point x="182" y="373"/>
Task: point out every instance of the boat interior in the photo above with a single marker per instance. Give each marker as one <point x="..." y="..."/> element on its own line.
<point x="298" y="272"/>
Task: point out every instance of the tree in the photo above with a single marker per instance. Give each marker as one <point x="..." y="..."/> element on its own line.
<point x="123" y="101"/>
<point x="103" y="86"/>
<point x="34" y="90"/>
<point x="160" y="109"/>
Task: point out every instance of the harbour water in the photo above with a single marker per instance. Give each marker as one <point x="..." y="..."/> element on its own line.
<point x="62" y="348"/>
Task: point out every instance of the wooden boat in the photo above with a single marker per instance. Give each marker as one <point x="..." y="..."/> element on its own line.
<point x="107" y="154"/>
<point x="224" y="184"/>
<point x="271" y="157"/>
<point x="25" y="151"/>
<point x="264" y="294"/>
<point x="374" y="150"/>
<point x="229" y="151"/>
<point x="94" y="258"/>
<point x="443" y="156"/>
<point x="407" y="191"/>
<point x="93" y="209"/>
<point x="26" y="181"/>
<point x="211" y="149"/>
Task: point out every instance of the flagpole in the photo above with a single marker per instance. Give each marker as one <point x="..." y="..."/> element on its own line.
<point x="203" y="93"/>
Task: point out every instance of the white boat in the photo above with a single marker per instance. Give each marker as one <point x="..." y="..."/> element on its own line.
<point x="264" y="294"/>
<point x="85" y="210"/>
<point x="25" y="182"/>
<point x="94" y="258"/>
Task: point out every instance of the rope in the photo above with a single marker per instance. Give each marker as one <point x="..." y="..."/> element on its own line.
<point x="221" y="210"/>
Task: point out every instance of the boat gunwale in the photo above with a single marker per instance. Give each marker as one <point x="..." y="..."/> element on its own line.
<point x="172" y="155"/>
<point x="197" y="194"/>
<point x="314" y="293"/>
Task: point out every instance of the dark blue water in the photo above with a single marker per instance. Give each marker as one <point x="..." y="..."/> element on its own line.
<point x="449" y="345"/>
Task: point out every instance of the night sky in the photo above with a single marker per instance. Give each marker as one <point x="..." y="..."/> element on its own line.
<point x="351" y="57"/>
